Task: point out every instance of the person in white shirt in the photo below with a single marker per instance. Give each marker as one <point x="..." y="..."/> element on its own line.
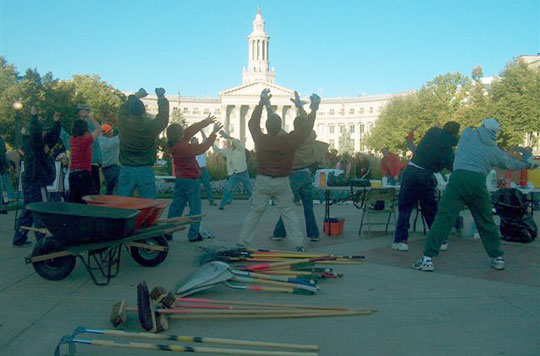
<point x="205" y="176"/>
<point x="110" y="148"/>
<point x="235" y="154"/>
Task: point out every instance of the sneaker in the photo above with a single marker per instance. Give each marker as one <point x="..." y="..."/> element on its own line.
<point x="444" y="246"/>
<point x="213" y="203"/>
<point x="197" y="239"/>
<point x="300" y="249"/>
<point x="314" y="238"/>
<point x="400" y="246"/>
<point x="498" y="263"/>
<point x="24" y="244"/>
<point x="276" y="238"/>
<point x="424" y="264"/>
<point x="220" y="208"/>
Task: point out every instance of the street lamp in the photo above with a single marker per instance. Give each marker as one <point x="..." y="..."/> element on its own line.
<point x="18" y="106"/>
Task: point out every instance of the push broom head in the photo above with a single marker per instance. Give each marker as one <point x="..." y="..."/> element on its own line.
<point x="145" y="309"/>
<point x="118" y="313"/>
<point x="157" y="293"/>
<point x="220" y="253"/>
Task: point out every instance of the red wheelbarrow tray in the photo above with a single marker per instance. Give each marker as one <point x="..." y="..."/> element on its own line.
<point x="73" y="224"/>
<point x="145" y="206"/>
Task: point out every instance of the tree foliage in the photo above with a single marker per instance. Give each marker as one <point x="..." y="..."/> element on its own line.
<point x="512" y="98"/>
<point x="51" y="95"/>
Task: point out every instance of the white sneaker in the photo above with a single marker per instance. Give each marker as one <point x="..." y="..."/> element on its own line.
<point x="400" y="246"/>
<point x="498" y="263"/>
<point x="424" y="264"/>
<point x="444" y="246"/>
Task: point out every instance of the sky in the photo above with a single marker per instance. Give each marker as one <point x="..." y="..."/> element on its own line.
<point x="335" y="48"/>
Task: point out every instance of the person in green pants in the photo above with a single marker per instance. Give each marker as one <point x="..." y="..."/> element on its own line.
<point x="476" y="155"/>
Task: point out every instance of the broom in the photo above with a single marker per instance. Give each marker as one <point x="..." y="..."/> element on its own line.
<point x="69" y="340"/>
<point x="193" y="339"/>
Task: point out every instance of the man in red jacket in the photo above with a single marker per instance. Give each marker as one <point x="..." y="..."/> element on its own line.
<point x="390" y="166"/>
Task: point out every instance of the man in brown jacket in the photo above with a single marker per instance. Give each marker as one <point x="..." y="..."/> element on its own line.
<point x="275" y="155"/>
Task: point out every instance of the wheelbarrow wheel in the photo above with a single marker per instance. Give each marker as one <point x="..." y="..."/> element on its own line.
<point x="54" y="269"/>
<point x="150" y="258"/>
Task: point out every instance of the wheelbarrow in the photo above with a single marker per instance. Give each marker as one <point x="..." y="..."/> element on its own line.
<point x="96" y="235"/>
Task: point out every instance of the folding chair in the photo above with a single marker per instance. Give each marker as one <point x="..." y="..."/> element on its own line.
<point x="388" y="195"/>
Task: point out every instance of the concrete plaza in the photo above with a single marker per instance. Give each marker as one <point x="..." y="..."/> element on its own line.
<point x="463" y="308"/>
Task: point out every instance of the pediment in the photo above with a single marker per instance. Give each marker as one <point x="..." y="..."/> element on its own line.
<point x="255" y="89"/>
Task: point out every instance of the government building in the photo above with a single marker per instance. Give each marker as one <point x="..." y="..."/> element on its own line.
<point x="354" y="116"/>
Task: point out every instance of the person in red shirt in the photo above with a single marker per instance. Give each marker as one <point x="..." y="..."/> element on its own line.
<point x="390" y="166"/>
<point x="187" y="188"/>
<point x="80" y="169"/>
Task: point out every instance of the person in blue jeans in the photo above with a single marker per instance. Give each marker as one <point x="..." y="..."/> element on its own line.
<point x="235" y="154"/>
<point x="205" y="176"/>
<point x="187" y="188"/>
<point x="308" y="154"/>
<point x="138" y="144"/>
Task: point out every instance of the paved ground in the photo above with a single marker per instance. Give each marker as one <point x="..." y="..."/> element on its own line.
<point x="463" y="308"/>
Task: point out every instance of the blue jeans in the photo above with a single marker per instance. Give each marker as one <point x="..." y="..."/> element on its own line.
<point x="418" y="185"/>
<point x="234" y="180"/>
<point x="187" y="191"/>
<point x="301" y="185"/>
<point x="141" y="178"/>
<point x="33" y="193"/>
<point x="7" y="186"/>
<point x="111" y="174"/>
<point x="205" y="180"/>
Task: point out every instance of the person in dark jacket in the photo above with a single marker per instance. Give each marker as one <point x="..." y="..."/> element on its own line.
<point x="434" y="153"/>
<point x="138" y="144"/>
<point x="38" y="172"/>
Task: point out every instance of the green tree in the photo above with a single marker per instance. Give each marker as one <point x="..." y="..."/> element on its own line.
<point x="515" y="98"/>
<point x="103" y="99"/>
<point x="178" y="117"/>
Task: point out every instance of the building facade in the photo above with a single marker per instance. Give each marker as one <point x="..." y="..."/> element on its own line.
<point x="353" y="117"/>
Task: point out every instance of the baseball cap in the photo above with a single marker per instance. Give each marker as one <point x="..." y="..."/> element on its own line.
<point x="106" y="128"/>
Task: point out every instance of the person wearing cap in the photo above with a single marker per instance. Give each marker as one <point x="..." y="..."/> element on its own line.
<point x="476" y="155"/>
<point x="84" y="114"/>
<point x="109" y="145"/>
<point x="275" y="157"/>
<point x="138" y="144"/>
<point x="434" y="153"/>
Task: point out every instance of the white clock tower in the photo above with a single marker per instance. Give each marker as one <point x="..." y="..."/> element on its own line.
<point x="258" y="69"/>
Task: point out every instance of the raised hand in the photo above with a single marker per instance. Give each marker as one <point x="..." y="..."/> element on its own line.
<point x="217" y="127"/>
<point x="141" y="93"/>
<point x="160" y="92"/>
<point x="265" y="97"/>
<point x="209" y="120"/>
<point x="297" y="101"/>
<point x="315" y="101"/>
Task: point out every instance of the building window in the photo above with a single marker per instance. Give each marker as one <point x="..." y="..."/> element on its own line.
<point x="217" y="111"/>
<point x="351" y="111"/>
<point x="331" y="129"/>
<point x="320" y="129"/>
<point x="195" y="110"/>
<point x="351" y="129"/>
<point x="341" y="129"/>
<point x="331" y="144"/>
<point x="186" y="110"/>
<point x="371" y="109"/>
<point x="361" y="128"/>
<point x="206" y="111"/>
<point x="331" y="112"/>
<point x="361" y="110"/>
